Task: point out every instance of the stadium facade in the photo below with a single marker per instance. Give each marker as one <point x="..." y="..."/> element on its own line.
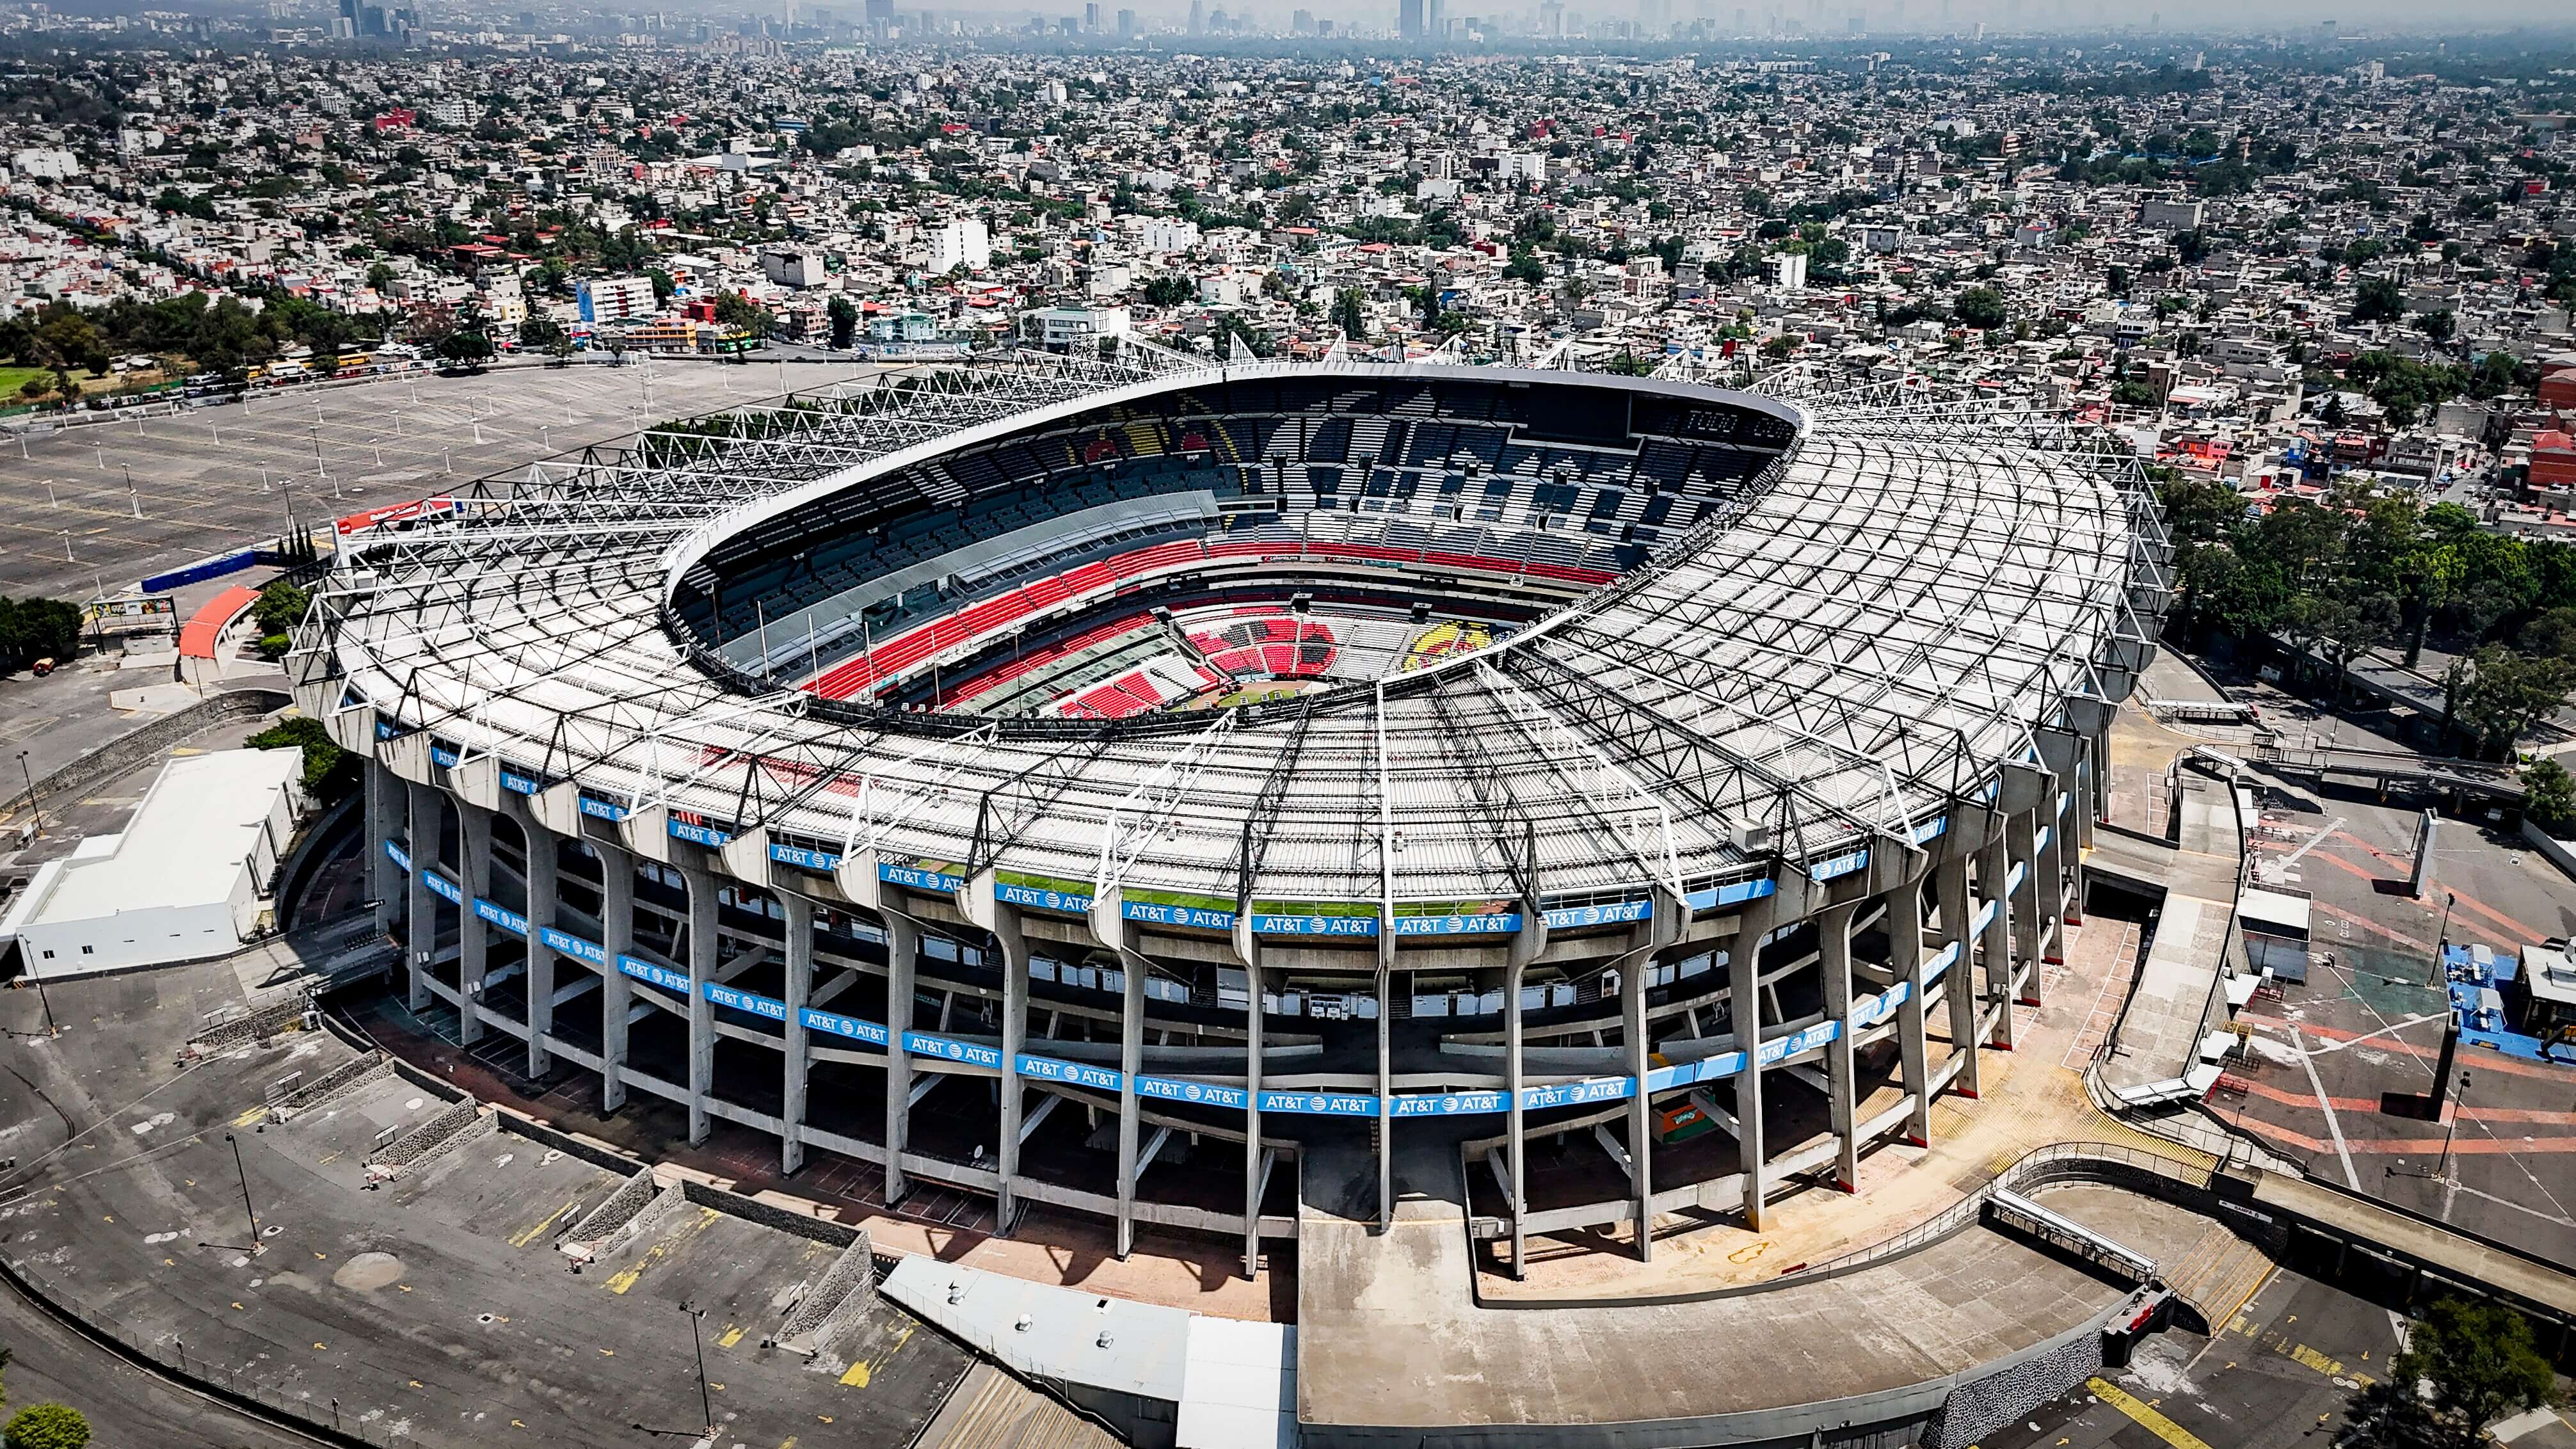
<point x="1085" y="782"/>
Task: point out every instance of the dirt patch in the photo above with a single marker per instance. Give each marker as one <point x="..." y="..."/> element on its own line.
<point x="368" y="1271"/>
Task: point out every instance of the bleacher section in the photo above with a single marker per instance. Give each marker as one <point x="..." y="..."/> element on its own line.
<point x="1572" y="484"/>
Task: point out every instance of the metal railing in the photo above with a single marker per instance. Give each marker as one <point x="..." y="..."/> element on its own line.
<point x="2044" y="1165"/>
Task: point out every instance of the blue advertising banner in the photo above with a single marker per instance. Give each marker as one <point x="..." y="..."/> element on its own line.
<point x="1290" y="925"/>
<point x="918" y="879"/>
<point x="696" y="833"/>
<point x="1175" y="1089"/>
<point x="1575" y="918"/>
<point x="573" y="946"/>
<point x="662" y="976"/>
<point x="973" y="1054"/>
<point x="768" y="1008"/>
<point x="1485" y="925"/>
<point x="1072" y="1074"/>
<point x="1199" y="918"/>
<point x="804" y="858"/>
<point x="846" y="1026"/>
<point x="1043" y="898"/>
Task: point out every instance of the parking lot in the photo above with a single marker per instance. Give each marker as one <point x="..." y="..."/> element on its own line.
<point x="98" y="506"/>
<point x="2336" y="1071"/>
<point x="434" y="1309"/>
<point x="2281" y="1372"/>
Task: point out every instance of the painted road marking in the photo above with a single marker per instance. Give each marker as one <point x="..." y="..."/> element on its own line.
<point x="856" y="1377"/>
<point x="529" y="1235"/>
<point x="625" y="1278"/>
<point x="2145" y="1414"/>
<point x="732" y="1336"/>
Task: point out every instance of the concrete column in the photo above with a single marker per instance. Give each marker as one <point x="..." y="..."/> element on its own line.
<point x="1994" y="949"/>
<point x="1516" y="1153"/>
<point x="473" y="936"/>
<point x="903" y="958"/>
<point x="2053" y="893"/>
<point x="543" y="897"/>
<point x="1641" y="1105"/>
<point x="1015" y="1036"/>
<point x="1744" y="1004"/>
<point x="1131" y="1061"/>
<point x="616" y="988"/>
<point x="386" y="808"/>
<point x="2020" y="831"/>
<point x="1903" y="914"/>
<point x="1385" y="1096"/>
<point x="702" y="1012"/>
<point x="1833" y="965"/>
<point x="420" y="905"/>
<point x="1252" y="1118"/>
<point x="1959" y="983"/>
<point x="800" y="990"/>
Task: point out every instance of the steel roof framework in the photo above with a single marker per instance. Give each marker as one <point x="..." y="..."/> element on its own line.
<point x="1925" y="583"/>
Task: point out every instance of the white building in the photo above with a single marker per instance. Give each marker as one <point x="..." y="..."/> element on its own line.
<point x="1066" y="329"/>
<point x="963" y="243"/>
<point x="44" y="164"/>
<point x="790" y="266"/>
<point x="1789" y="271"/>
<point x="1162" y="235"/>
<point x="613" y="299"/>
<point x="188" y="879"/>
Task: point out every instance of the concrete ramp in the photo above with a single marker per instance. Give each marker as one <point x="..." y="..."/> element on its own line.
<point x="2155" y="1053"/>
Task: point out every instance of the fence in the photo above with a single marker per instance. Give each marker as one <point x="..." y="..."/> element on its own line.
<point x="315" y="1413"/>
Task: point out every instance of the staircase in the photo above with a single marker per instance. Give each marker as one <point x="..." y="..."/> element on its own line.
<point x="992" y="1410"/>
<point x="2217" y="1274"/>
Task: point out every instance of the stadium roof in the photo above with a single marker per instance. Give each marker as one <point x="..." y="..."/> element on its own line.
<point x="1920" y="585"/>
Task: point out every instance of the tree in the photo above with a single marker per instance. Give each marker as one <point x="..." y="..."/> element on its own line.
<point x="2378" y="299"/>
<point x="544" y="332"/>
<point x="2496" y="695"/>
<point x="1169" y="291"/>
<point x="1980" y="307"/>
<point x="2551" y="795"/>
<point x="281" y="606"/>
<point x="2438" y="325"/>
<point x="1350" y="313"/>
<point x="844" y="318"/>
<point x="2478" y="1363"/>
<point x="2552" y="635"/>
<point x="735" y="310"/>
<point x="47" y="1426"/>
<point x="330" y="772"/>
<point x="468" y="349"/>
<point x="32" y="629"/>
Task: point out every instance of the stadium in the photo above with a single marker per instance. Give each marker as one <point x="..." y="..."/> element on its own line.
<point x="1102" y="783"/>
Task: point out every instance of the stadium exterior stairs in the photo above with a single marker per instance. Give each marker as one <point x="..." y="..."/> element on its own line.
<point x="992" y="1410"/>
<point x="2217" y="1274"/>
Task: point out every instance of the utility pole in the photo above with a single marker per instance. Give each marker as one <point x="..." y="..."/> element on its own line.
<point x="256" y="1247"/>
<point x="32" y="808"/>
<point x="706" y="1405"/>
<point x="2442" y="942"/>
<point x="2453" y="1130"/>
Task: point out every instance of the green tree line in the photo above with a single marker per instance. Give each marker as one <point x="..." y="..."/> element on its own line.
<point x="2356" y="571"/>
